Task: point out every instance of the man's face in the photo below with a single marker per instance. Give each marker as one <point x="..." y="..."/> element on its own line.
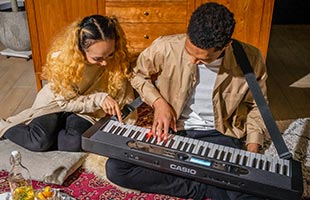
<point x="201" y="56"/>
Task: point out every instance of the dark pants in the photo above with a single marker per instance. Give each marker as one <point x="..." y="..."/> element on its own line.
<point x="140" y="178"/>
<point x="57" y="131"/>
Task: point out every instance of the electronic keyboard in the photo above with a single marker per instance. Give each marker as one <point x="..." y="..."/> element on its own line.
<point x="214" y="164"/>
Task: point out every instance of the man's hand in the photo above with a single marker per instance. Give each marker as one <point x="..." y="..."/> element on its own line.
<point x="253" y="147"/>
<point x="164" y="117"/>
<point x="110" y="106"/>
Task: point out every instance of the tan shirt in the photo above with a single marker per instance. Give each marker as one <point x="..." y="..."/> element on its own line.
<point x="235" y="111"/>
<point x="87" y="105"/>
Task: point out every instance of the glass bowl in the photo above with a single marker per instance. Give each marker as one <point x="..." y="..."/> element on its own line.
<point x="46" y="193"/>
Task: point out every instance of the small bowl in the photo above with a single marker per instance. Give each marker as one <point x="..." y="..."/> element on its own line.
<point x="46" y="193"/>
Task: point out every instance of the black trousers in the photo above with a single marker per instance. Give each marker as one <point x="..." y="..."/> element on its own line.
<point x="140" y="178"/>
<point x="57" y="131"/>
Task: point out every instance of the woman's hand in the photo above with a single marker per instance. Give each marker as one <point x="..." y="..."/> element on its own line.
<point x="164" y="117"/>
<point x="110" y="106"/>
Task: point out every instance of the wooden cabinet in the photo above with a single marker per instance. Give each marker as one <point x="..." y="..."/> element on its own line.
<point x="142" y="20"/>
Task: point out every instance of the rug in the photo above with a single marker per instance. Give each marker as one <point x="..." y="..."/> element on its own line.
<point x="86" y="186"/>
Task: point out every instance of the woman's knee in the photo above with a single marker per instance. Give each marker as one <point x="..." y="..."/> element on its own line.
<point x="76" y="125"/>
<point x="24" y="136"/>
<point x="68" y="141"/>
<point x="69" y="138"/>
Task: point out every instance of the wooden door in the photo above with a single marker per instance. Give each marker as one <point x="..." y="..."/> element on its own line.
<point x="253" y="20"/>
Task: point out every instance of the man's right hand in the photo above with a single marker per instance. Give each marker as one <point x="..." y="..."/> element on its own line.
<point x="164" y="117"/>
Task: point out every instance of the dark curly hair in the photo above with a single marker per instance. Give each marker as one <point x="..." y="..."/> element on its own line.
<point x="211" y="25"/>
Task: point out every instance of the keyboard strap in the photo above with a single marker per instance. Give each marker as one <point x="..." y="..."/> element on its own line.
<point x="129" y="108"/>
<point x="271" y="126"/>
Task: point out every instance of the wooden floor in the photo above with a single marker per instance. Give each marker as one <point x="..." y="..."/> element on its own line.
<point x="17" y="85"/>
<point x="288" y="60"/>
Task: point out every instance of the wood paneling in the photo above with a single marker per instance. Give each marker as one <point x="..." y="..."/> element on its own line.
<point x="253" y="20"/>
<point x="46" y="18"/>
<point x="138" y="39"/>
<point x="142" y="20"/>
<point x="143" y="23"/>
<point x="153" y="12"/>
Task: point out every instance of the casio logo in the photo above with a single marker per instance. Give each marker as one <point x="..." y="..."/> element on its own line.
<point x="183" y="169"/>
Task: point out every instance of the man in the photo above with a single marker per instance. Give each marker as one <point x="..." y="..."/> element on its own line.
<point x="200" y="92"/>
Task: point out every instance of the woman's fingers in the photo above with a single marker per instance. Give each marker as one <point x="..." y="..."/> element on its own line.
<point x="110" y="106"/>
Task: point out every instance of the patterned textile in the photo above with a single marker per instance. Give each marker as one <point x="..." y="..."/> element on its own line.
<point x="145" y="116"/>
<point x="85" y="186"/>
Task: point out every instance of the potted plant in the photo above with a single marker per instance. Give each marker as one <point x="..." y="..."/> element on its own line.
<point x="13" y="26"/>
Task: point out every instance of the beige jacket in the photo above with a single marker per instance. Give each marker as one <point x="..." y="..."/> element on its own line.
<point x="87" y="104"/>
<point x="235" y="111"/>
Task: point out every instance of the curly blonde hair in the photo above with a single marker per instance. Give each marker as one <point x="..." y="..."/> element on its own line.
<point x="64" y="70"/>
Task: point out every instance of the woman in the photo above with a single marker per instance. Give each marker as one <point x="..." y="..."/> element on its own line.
<point x="87" y="70"/>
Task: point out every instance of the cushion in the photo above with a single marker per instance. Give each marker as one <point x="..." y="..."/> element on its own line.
<point x="51" y="167"/>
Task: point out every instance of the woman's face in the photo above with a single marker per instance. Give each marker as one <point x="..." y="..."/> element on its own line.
<point x="100" y="52"/>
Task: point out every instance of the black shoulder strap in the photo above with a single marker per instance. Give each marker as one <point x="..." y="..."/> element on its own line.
<point x="129" y="108"/>
<point x="271" y="126"/>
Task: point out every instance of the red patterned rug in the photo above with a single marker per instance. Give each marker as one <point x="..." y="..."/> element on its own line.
<point x="85" y="186"/>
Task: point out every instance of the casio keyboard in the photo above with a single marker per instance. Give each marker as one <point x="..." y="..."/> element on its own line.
<point x="219" y="165"/>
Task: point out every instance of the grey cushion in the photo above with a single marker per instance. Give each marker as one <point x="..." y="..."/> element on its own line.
<point x="51" y="167"/>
